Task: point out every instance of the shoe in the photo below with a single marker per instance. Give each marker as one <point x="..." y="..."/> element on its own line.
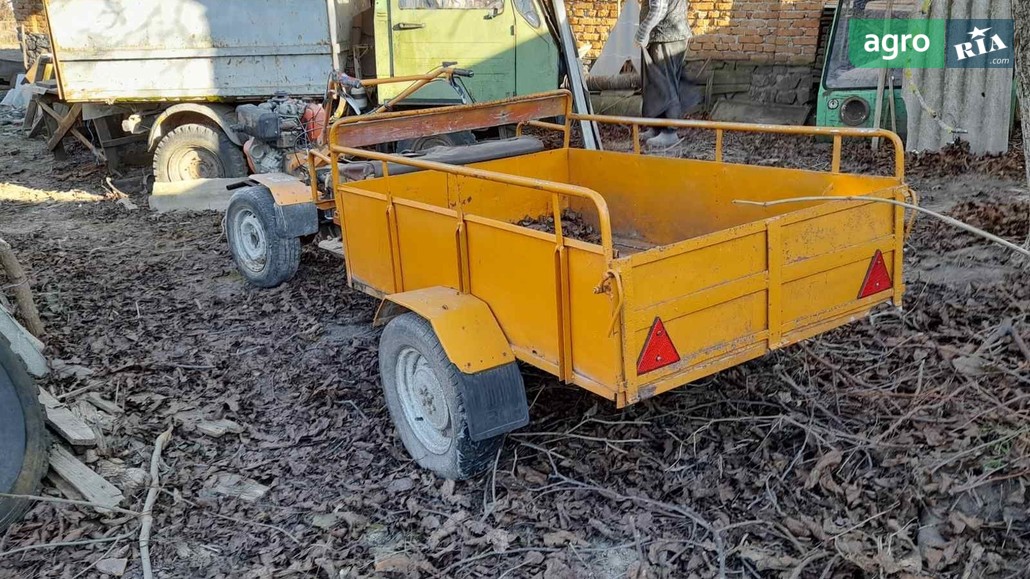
<point x="664" y="140"/>
<point x="648" y="133"/>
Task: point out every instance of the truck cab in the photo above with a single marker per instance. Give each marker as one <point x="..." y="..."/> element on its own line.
<point x="508" y="44"/>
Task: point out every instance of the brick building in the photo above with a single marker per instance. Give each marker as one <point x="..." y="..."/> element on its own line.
<point x="32" y="32"/>
<point x="772" y="43"/>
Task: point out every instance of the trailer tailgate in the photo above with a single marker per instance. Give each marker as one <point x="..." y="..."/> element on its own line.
<point x="701" y="305"/>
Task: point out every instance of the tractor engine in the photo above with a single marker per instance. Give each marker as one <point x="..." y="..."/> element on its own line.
<point x="278" y="129"/>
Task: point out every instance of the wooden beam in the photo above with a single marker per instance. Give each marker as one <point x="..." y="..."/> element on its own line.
<point x="65" y="423"/>
<point x="90" y="485"/>
<point x="64" y="125"/>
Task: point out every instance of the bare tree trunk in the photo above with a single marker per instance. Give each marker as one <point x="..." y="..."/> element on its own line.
<point x="1021" y="17"/>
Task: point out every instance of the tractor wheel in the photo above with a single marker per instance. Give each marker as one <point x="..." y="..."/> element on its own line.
<point x="194" y="151"/>
<point x="445" y="140"/>
<point x="263" y="257"/>
<point x="423" y="394"/>
<point x="23" y="440"/>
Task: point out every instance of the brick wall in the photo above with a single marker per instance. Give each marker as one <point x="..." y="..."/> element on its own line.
<point x="32" y="29"/>
<point x="8" y="26"/>
<point x="760" y="31"/>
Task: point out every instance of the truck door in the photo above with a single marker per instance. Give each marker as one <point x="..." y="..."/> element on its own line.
<point x="477" y="34"/>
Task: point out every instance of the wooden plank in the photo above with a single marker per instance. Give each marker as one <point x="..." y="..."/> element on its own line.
<point x="65" y="423"/>
<point x="89" y="484"/>
<point x="103" y="404"/>
<point x="386" y="128"/>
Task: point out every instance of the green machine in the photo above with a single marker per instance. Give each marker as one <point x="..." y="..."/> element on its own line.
<point x="847" y="94"/>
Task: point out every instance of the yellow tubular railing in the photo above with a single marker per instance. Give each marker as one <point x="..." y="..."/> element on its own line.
<point x="836" y="133"/>
<point x="557" y="189"/>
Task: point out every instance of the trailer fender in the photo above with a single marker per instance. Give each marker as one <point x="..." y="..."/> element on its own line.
<point x="295" y="212"/>
<point x="467" y="329"/>
<point x="173" y="116"/>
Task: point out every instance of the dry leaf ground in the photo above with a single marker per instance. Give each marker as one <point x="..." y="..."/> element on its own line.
<point x="897" y="446"/>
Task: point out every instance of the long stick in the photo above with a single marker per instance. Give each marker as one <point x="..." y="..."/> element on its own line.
<point x="22" y="292"/>
<point x="944" y="218"/>
<point x="147" y="518"/>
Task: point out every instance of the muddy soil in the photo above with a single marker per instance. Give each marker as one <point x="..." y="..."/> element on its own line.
<point x="898" y="446"/>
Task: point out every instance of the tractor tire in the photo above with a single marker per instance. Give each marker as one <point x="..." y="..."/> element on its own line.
<point x="24" y="446"/>
<point x="263" y="257"/>
<point x="195" y="151"/>
<point x="445" y="140"/>
<point x="423" y="394"/>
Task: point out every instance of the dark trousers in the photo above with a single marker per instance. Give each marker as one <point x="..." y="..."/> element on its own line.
<point x="664" y="65"/>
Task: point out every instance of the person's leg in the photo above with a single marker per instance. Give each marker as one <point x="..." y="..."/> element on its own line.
<point x="664" y="73"/>
<point x="646" y="94"/>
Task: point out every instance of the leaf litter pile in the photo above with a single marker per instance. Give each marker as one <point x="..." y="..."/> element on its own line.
<point x="898" y="446"/>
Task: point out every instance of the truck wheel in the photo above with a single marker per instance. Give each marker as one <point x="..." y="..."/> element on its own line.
<point x="445" y="140"/>
<point x="263" y="257"/>
<point x="423" y="393"/>
<point x="194" y="151"/>
<point x="23" y="441"/>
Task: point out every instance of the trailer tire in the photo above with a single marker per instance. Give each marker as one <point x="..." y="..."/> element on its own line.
<point x="23" y="440"/>
<point x="194" y="151"/>
<point x="445" y="140"/>
<point x="262" y="256"/>
<point x="423" y="389"/>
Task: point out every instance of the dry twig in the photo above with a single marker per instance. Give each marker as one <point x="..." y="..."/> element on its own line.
<point x="949" y="220"/>
<point x="147" y="517"/>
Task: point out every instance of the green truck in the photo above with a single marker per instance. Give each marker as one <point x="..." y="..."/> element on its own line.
<point x="847" y="94"/>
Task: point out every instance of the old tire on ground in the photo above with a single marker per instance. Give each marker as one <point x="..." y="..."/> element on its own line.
<point x="193" y="151"/>
<point x="428" y="142"/>
<point x="23" y="439"/>
<point x="423" y="394"/>
<point x="263" y="257"/>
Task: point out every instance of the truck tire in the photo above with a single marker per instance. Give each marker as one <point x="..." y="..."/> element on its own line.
<point x="444" y="140"/>
<point x="423" y="394"/>
<point x="193" y="151"/>
<point x="23" y="440"/>
<point x="263" y="257"/>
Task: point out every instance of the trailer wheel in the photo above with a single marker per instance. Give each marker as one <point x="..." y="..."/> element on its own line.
<point x="262" y="256"/>
<point x="23" y="439"/>
<point x="193" y="151"/>
<point x="423" y="394"/>
<point x="444" y="140"/>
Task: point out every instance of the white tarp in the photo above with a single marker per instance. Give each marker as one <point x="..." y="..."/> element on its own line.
<point x="619" y="48"/>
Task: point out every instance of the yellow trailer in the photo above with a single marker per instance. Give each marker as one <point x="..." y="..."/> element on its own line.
<point x="683" y="282"/>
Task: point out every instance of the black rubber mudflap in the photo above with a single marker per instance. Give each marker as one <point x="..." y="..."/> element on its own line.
<point x="495" y="401"/>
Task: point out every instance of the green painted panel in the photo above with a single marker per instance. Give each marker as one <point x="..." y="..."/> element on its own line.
<point x="479" y="36"/>
<point x="536" y="55"/>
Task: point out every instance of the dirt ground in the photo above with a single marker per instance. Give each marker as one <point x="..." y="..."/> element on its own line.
<point x="898" y="446"/>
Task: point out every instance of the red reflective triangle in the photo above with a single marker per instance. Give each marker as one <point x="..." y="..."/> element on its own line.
<point x="877" y="279"/>
<point x="658" y="349"/>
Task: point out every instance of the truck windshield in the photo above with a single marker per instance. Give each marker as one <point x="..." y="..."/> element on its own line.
<point x="840" y="73"/>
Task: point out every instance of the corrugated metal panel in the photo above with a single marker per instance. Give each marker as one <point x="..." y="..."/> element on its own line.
<point x="975" y="101"/>
<point x="111" y="50"/>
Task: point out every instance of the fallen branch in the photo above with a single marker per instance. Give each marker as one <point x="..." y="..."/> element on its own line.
<point x="147" y="517"/>
<point x="949" y="220"/>
<point x="67" y="544"/>
<point x="71" y="502"/>
<point x="22" y="291"/>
